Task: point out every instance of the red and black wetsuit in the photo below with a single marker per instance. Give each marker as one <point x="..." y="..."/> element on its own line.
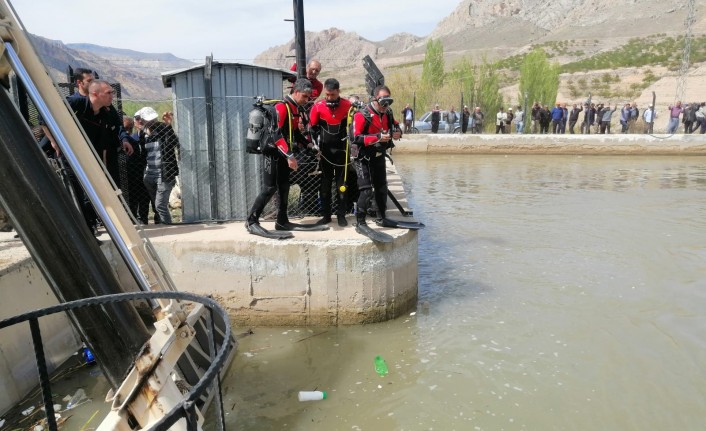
<point x="370" y="164"/>
<point x="329" y="125"/>
<point x="275" y="168"/>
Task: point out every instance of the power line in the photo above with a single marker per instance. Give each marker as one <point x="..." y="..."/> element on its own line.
<point x="684" y="69"/>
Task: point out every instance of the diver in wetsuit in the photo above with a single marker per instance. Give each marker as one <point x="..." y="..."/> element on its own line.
<point x="329" y="126"/>
<point x="374" y="129"/>
<point x="279" y="160"/>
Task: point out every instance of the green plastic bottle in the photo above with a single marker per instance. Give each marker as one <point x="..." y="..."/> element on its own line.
<point x="380" y="366"/>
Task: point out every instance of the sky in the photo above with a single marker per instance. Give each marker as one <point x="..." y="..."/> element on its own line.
<point x="234" y="30"/>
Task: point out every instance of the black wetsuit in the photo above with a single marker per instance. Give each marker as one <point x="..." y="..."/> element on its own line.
<point x="275" y="167"/>
<point x="329" y="125"/>
<point x="370" y="162"/>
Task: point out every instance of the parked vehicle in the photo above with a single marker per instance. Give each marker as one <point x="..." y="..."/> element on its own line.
<point x="423" y="124"/>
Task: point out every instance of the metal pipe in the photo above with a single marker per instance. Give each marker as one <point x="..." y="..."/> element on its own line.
<point x="300" y="38"/>
<point x="210" y="135"/>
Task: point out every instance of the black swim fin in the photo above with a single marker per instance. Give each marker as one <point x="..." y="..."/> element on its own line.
<point x="258" y="230"/>
<point x="373" y="234"/>
<point x="413" y="225"/>
<point x="309" y="227"/>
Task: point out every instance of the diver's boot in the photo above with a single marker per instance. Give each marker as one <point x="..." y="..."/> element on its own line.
<point x="360" y="222"/>
<point x="342" y="220"/>
<point x="326" y="219"/>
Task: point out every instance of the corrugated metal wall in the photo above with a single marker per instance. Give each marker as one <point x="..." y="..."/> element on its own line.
<point x="237" y="173"/>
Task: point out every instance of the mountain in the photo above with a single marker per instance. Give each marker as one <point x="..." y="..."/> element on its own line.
<point x="571" y="31"/>
<point x="138" y="73"/>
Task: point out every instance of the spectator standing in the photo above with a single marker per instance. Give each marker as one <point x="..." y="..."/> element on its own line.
<point x="478" y="119"/>
<point x="408" y="116"/>
<point x="82" y="79"/>
<point x="451" y="119"/>
<point x="535" y="117"/>
<point x="435" y="119"/>
<point x="557" y="118"/>
<point x="520" y="120"/>
<point x="500" y="119"/>
<point x="574" y="117"/>
<point x="599" y="117"/>
<point x="313" y="69"/>
<point x="674" y="112"/>
<point x="465" y="117"/>
<point x="701" y="117"/>
<point x="138" y="196"/>
<point x="97" y="113"/>
<point x="508" y="121"/>
<point x="545" y="118"/>
<point x="161" y="170"/>
<point x="649" y="116"/>
<point x="634" y="115"/>
<point x="564" y="119"/>
<point x="625" y="115"/>
<point x="589" y="117"/>
<point x="689" y="117"/>
<point x="607" y="117"/>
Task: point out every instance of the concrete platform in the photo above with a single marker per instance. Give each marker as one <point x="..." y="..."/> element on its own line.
<point x="614" y="144"/>
<point x="335" y="277"/>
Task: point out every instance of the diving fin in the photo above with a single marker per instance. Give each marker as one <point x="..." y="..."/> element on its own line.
<point x="258" y="230"/>
<point x="413" y="225"/>
<point x="373" y="234"/>
<point x="308" y="227"/>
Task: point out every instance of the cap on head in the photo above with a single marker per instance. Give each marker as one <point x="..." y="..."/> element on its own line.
<point x="147" y="113"/>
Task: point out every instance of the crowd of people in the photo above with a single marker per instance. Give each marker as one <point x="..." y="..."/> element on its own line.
<point x="149" y="145"/>
<point x="584" y="118"/>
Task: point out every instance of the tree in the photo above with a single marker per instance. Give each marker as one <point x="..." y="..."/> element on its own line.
<point x="539" y="78"/>
<point x="433" y="67"/>
<point x="480" y="85"/>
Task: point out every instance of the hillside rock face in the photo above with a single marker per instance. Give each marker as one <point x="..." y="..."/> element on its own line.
<point x="336" y="48"/>
<point x="552" y="15"/>
<point x="138" y="73"/>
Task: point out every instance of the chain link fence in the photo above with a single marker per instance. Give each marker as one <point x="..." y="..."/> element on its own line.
<point x="206" y="173"/>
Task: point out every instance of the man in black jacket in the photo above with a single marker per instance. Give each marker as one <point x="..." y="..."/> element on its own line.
<point x="435" y="119"/>
<point x="574" y="117"/>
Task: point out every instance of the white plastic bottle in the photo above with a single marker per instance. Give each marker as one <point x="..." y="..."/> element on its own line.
<point x="312" y="395"/>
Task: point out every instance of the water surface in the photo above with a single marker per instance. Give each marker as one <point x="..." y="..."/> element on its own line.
<point x="555" y="293"/>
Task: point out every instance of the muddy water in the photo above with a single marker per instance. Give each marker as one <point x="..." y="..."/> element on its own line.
<point x="556" y="293"/>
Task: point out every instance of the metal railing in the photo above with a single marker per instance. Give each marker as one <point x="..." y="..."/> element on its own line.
<point x="187" y="408"/>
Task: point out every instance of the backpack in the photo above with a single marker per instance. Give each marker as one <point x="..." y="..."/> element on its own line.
<point x="262" y="127"/>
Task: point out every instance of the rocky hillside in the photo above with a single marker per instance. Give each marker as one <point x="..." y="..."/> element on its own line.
<point x="340" y="53"/>
<point x="138" y="73"/>
<point x="573" y="31"/>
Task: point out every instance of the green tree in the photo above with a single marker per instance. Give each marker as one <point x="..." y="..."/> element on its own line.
<point x="488" y="94"/>
<point x="463" y="79"/>
<point x="539" y="78"/>
<point x="433" y="66"/>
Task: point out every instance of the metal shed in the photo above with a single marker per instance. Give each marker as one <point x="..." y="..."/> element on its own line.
<point x="219" y="179"/>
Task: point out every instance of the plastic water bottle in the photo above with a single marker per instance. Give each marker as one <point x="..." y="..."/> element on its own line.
<point x="312" y="395"/>
<point x="87" y="355"/>
<point x="380" y="366"/>
<point x="76" y="398"/>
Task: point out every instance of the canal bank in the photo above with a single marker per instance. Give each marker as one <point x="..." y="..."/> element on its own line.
<point x="629" y="144"/>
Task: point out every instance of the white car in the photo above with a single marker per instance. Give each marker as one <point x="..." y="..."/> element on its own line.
<point x="423" y="124"/>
